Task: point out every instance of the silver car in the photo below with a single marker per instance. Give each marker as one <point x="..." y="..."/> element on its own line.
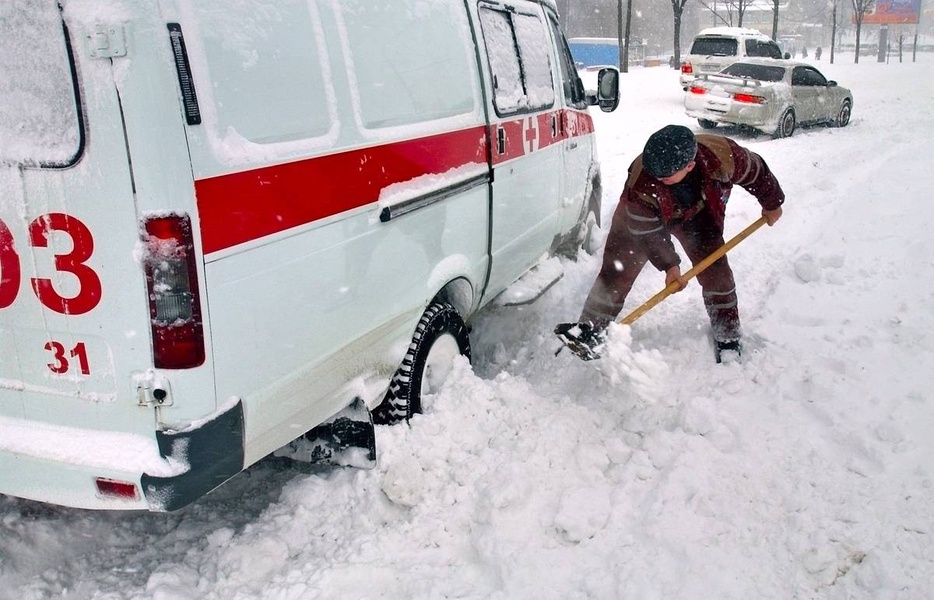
<point x="772" y="96"/>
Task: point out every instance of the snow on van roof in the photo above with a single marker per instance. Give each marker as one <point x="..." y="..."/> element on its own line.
<point x="732" y="31"/>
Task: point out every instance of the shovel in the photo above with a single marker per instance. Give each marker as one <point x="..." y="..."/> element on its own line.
<point x="584" y="340"/>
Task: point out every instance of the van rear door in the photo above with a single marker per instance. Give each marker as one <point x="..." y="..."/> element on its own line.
<point x="73" y="312"/>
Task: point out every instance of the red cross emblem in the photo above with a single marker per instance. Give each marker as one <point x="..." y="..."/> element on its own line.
<point x="530" y="134"/>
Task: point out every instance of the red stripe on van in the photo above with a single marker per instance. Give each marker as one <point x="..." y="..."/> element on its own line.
<point x="534" y="132"/>
<point x="245" y="206"/>
<point x="248" y="205"/>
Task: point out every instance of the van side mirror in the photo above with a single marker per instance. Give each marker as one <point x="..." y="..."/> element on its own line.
<point x="607" y="97"/>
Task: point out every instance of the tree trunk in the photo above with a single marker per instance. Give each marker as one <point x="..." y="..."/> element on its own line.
<point x="775" y="20"/>
<point x="628" y="30"/>
<point x="677" y="8"/>
<point x="833" y="31"/>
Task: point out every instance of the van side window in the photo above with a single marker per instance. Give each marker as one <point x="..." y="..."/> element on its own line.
<point x="265" y="69"/>
<point x="517" y="47"/>
<point x="405" y="69"/>
<point x="765" y="49"/>
<point x="571" y="84"/>
<point x="39" y="119"/>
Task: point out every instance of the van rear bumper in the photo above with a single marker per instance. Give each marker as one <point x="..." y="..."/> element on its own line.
<point x="60" y="465"/>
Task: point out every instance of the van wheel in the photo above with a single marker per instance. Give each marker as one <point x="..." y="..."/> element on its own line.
<point x="843" y="117"/>
<point x="439" y="336"/>
<point x="707" y="124"/>
<point x="786" y="126"/>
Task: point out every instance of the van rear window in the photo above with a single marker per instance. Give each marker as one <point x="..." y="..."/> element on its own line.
<point x="39" y="119"/>
<point x="714" y="46"/>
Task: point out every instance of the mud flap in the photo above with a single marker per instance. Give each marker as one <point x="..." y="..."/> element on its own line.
<point x="346" y="439"/>
<point x="214" y="453"/>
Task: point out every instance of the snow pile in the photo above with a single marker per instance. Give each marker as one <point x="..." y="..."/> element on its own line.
<point x="804" y="471"/>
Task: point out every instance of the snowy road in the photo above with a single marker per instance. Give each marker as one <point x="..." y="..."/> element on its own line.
<point x="807" y="471"/>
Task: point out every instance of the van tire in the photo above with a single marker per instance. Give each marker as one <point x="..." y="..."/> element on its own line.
<point x="440" y="334"/>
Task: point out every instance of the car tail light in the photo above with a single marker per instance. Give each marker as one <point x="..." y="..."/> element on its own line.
<point x="697" y="90"/>
<point x="749" y="98"/>
<point x="174" y="300"/>
<point x="686" y="68"/>
<point x="116" y="489"/>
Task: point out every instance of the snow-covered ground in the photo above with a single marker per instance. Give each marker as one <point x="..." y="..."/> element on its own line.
<point x="806" y="471"/>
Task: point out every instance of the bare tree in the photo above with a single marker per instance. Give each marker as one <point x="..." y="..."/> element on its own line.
<point x="677" y="6"/>
<point x="833" y="32"/>
<point x="860" y="8"/>
<point x="716" y="15"/>
<point x="775" y="19"/>
<point x="624" y="36"/>
<point x="741" y="6"/>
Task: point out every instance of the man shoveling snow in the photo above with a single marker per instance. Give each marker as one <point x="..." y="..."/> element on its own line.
<point x="678" y="186"/>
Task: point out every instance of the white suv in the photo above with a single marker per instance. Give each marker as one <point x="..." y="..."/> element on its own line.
<point x="715" y="48"/>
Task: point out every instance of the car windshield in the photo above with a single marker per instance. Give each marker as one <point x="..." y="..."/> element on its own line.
<point x="714" y="46"/>
<point x="760" y="72"/>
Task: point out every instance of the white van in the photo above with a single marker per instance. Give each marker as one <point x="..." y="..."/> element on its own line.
<point x="715" y="48"/>
<point x="226" y="223"/>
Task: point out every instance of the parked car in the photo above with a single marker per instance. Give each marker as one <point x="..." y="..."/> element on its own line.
<point x="716" y="47"/>
<point x="768" y="95"/>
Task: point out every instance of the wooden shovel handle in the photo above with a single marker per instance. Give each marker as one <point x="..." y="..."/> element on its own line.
<point x="694" y="272"/>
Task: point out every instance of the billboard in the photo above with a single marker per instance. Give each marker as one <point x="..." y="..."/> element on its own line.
<point x="890" y="12"/>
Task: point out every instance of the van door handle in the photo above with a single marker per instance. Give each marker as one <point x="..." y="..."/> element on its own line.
<point x="572" y="145"/>
<point x="501" y="140"/>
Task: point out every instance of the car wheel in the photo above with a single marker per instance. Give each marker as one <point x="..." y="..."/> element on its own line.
<point x="706" y="124"/>
<point x="786" y="126"/>
<point x="843" y="117"/>
<point x="439" y="336"/>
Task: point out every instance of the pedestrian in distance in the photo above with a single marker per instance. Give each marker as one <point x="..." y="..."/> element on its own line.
<point x="679" y="186"/>
<point x="818" y="52"/>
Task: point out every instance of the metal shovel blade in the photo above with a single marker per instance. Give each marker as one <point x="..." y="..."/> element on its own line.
<point x="582" y="339"/>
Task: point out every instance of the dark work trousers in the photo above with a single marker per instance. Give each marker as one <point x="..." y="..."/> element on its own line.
<point x="624" y="259"/>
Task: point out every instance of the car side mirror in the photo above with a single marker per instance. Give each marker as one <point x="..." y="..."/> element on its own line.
<point x="607" y="96"/>
<point x="831" y="83"/>
<point x="787" y="55"/>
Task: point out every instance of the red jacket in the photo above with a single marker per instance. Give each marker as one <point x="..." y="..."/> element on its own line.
<point x="721" y="163"/>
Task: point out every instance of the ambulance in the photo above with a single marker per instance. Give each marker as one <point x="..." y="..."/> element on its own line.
<point x="237" y="228"/>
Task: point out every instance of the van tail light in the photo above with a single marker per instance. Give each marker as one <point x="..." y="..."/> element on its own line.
<point x="697" y="90"/>
<point x="174" y="299"/>
<point x="749" y="98"/>
<point x="686" y="68"/>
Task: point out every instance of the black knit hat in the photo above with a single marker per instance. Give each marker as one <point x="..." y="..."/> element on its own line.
<point x="668" y="151"/>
